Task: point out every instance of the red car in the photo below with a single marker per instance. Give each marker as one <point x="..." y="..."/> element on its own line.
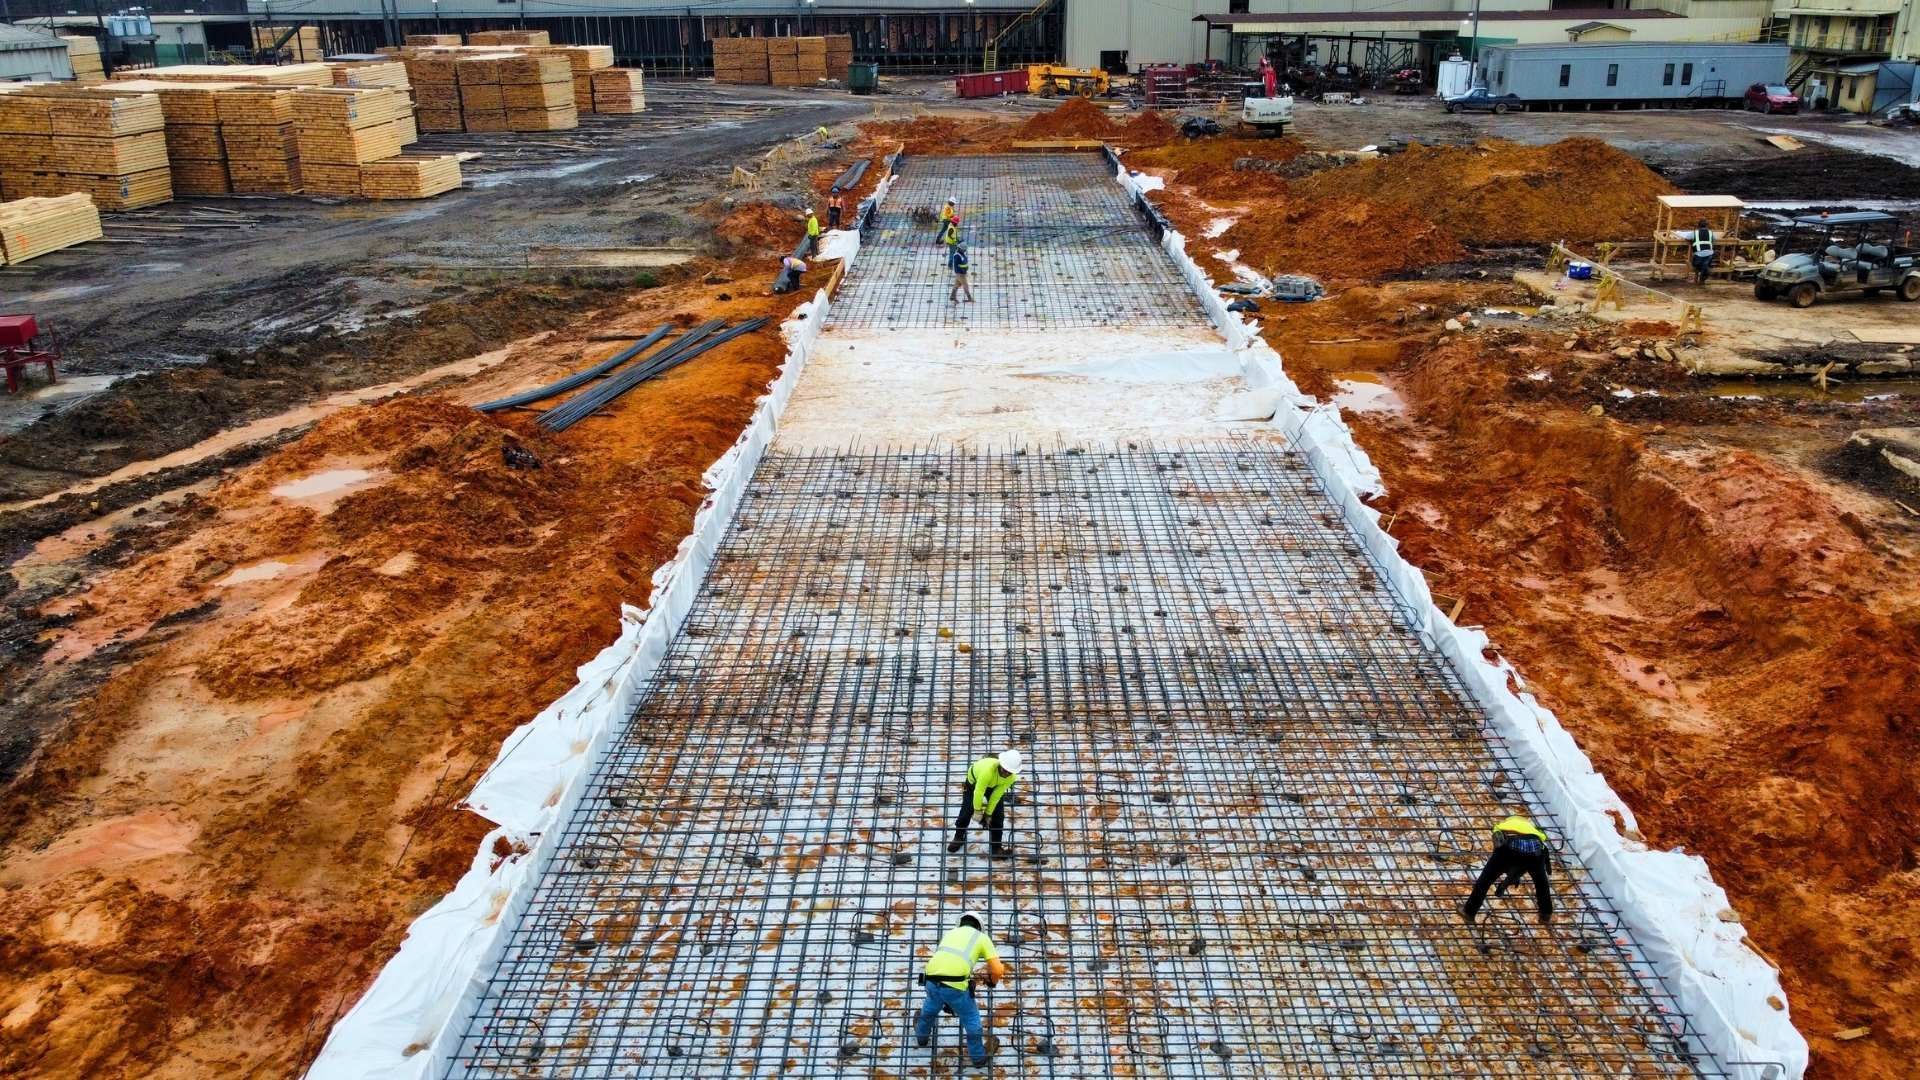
<point x="1772" y="98"/>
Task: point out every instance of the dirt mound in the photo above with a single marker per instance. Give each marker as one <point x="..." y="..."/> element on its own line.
<point x="1502" y="193"/>
<point x="1207" y="167"/>
<point x="1347" y="238"/>
<point x="1076" y="118"/>
<point x="939" y="135"/>
<point x="760" y="228"/>
<point x="1149" y="128"/>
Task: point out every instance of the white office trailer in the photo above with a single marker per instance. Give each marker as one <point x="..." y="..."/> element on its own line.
<point x="1628" y="74"/>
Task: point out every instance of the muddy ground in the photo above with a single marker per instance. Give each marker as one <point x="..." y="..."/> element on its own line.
<point x="243" y="693"/>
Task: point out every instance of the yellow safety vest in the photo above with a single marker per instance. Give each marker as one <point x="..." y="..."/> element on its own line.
<point x="960" y="948"/>
<point x="1519" y="826"/>
<point x="946" y="214"/>
<point x="989" y="784"/>
<point x="813" y="225"/>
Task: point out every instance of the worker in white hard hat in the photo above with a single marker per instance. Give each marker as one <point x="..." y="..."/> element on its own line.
<point x="947" y="213"/>
<point x="813" y="233"/>
<point x="983" y="794"/>
<point x="948" y="978"/>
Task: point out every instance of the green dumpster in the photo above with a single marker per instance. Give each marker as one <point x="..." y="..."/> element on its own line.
<point x="862" y="78"/>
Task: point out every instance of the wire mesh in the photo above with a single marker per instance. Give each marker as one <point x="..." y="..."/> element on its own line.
<point x="1253" y="804"/>
<point x="1052" y="240"/>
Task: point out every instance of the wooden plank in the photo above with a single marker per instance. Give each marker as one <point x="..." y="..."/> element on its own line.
<point x="32" y="227"/>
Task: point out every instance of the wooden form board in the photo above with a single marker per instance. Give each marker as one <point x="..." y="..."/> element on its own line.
<point x="32" y="227"/>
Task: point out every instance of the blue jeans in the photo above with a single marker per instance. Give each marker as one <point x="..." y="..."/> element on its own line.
<point x="939" y="996"/>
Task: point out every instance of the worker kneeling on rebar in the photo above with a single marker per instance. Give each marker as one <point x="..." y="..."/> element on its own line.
<point x="983" y="794"/>
<point x="1519" y="847"/>
<point x="948" y="978"/>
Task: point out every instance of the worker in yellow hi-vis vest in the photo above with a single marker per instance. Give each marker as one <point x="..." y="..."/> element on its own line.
<point x="1519" y="847"/>
<point x="948" y="978"/>
<point x="983" y="794"/>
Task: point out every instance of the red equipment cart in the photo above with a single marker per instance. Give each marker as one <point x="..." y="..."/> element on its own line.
<point x="20" y="346"/>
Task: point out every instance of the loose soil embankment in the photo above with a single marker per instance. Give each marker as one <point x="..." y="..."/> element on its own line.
<point x="306" y="664"/>
<point x="1729" y="629"/>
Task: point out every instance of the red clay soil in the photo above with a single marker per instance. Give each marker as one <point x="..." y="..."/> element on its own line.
<point x="1343" y="238"/>
<point x="1738" y="654"/>
<point x="236" y="831"/>
<point x="1075" y="118"/>
<point x="761" y="228"/>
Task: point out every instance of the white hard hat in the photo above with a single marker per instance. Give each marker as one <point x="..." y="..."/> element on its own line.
<point x="950" y="200"/>
<point x="808" y="210"/>
<point x="978" y="917"/>
<point x="1010" y="761"/>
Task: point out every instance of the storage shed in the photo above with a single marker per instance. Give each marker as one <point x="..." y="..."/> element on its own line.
<point x="1618" y="73"/>
<point x="28" y="54"/>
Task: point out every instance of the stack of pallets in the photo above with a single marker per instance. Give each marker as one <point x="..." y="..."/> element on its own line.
<point x="482" y="106"/>
<point x="112" y="146"/>
<point x="410" y="176"/>
<point x="303" y="45"/>
<point x="257" y="134"/>
<point x="432" y="39"/>
<point x="508" y="37"/>
<point x="31" y="227"/>
<point x="339" y="129"/>
<point x="740" y="60"/>
<point x="839" y="55"/>
<point x="435" y="92"/>
<point x="84" y="53"/>
<point x="538" y="93"/>
<point x="619" y="91"/>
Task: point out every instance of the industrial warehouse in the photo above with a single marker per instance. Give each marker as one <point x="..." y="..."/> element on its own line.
<point x="925" y="539"/>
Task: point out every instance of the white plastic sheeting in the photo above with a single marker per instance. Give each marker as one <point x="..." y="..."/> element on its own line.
<point x="1668" y="899"/>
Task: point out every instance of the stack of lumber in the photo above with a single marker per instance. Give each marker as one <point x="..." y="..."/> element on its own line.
<point x="112" y="146"/>
<point x="618" y="90"/>
<point x="315" y="74"/>
<point x="482" y="106"/>
<point x="303" y="45"/>
<point x="84" y="52"/>
<point x="410" y="176"/>
<point x="538" y="93"/>
<point x="581" y="57"/>
<point x="508" y="37"/>
<point x="256" y="131"/>
<point x="31" y="227"/>
<point x="433" y="39"/>
<point x="740" y="60"/>
<point x="389" y="73"/>
<point x="796" y="61"/>
<point x="839" y="55"/>
<point x="435" y="92"/>
<point x="339" y="129"/>
<point x="196" y="154"/>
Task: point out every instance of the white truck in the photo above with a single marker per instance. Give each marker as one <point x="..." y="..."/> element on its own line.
<point x="1268" y="116"/>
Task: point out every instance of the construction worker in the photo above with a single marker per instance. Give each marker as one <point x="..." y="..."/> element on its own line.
<point x="813" y="233"/>
<point x="983" y="794"/>
<point x="1519" y="847"/>
<point x="1702" y="252"/>
<point x="789" y="277"/>
<point x="948" y="978"/>
<point x="957" y="262"/>
<point x="947" y="214"/>
<point x="951" y="237"/>
<point x="1269" y="78"/>
<point x="835" y="204"/>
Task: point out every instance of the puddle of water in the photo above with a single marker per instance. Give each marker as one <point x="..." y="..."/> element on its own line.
<point x="1362" y="391"/>
<point x="551" y="173"/>
<point x="261" y="571"/>
<point x="153" y="267"/>
<point x="322" y="483"/>
<point x="1800" y="389"/>
<point x="42" y="398"/>
<point x="64" y="293"/>
<point x="1881" y="143"/>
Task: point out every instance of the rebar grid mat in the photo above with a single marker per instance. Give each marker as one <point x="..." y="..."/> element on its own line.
<point x="1053" y="243"/>
<point x="1253" y="804"/>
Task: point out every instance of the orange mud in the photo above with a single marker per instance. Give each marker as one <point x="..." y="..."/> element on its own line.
<point x="231" y="840"/>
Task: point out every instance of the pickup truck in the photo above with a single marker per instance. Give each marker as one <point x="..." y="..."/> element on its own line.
<point x="1480" y="99"/>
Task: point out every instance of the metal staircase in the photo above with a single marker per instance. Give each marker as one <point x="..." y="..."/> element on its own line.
<point x="990" y="60"/>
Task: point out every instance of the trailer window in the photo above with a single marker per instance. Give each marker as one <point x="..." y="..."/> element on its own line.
<point x="1566" y="73"/>
<point x="1667" y="79"/>
<point x="1686" y="74"/>
<point x="1613" y="74"/>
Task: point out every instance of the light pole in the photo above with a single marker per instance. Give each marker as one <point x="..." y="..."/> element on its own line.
<point x="436" y="16"/>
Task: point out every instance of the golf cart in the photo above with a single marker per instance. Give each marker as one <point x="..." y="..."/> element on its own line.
<point x="1863" y="251"/>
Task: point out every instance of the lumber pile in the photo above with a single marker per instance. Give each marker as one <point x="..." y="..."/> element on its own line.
<point x="796" y="61"/>
<point x="839" y="55"/>
<point x="740" y="60"/>
<point x="435" y="92"/>
<point x="257" y="135"/>
<point x="314" y="74"/>
<point x="508" y="37"/>
<point x="84" y="54"/>
<point x="339" y="129"/>
<point x="196" y="154"/>
<point x="432" y="39"/>
<point x="303" y="45"/>
<point x="618" y="91"/>
<point x="581" y="57"/>
<point x="410" y="176"/>
<point x="482" y="105"/>
<point x="538" y="93"/>
<point x="33" y="226"/>
<point x="388" y="73"/>
<point x="61" y="140"/>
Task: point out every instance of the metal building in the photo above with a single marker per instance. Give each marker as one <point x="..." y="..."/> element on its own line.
<point x="29" y="54"/>
<point x="1650" y="73"/>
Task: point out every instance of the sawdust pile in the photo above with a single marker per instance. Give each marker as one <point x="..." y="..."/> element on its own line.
<point x="1577" y="189"/>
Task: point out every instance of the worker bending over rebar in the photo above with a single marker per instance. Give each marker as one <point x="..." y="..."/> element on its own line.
<point x="1519" y="847"/>
<point x="948" y="978"/>
<point x="983" y="794"/>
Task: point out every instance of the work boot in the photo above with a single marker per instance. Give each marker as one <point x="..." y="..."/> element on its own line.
<point x="953" y="848"/>
<point x="923" y="1041"/>
<point x="1002" y="852"/>
<point x="1466" y="915"/>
